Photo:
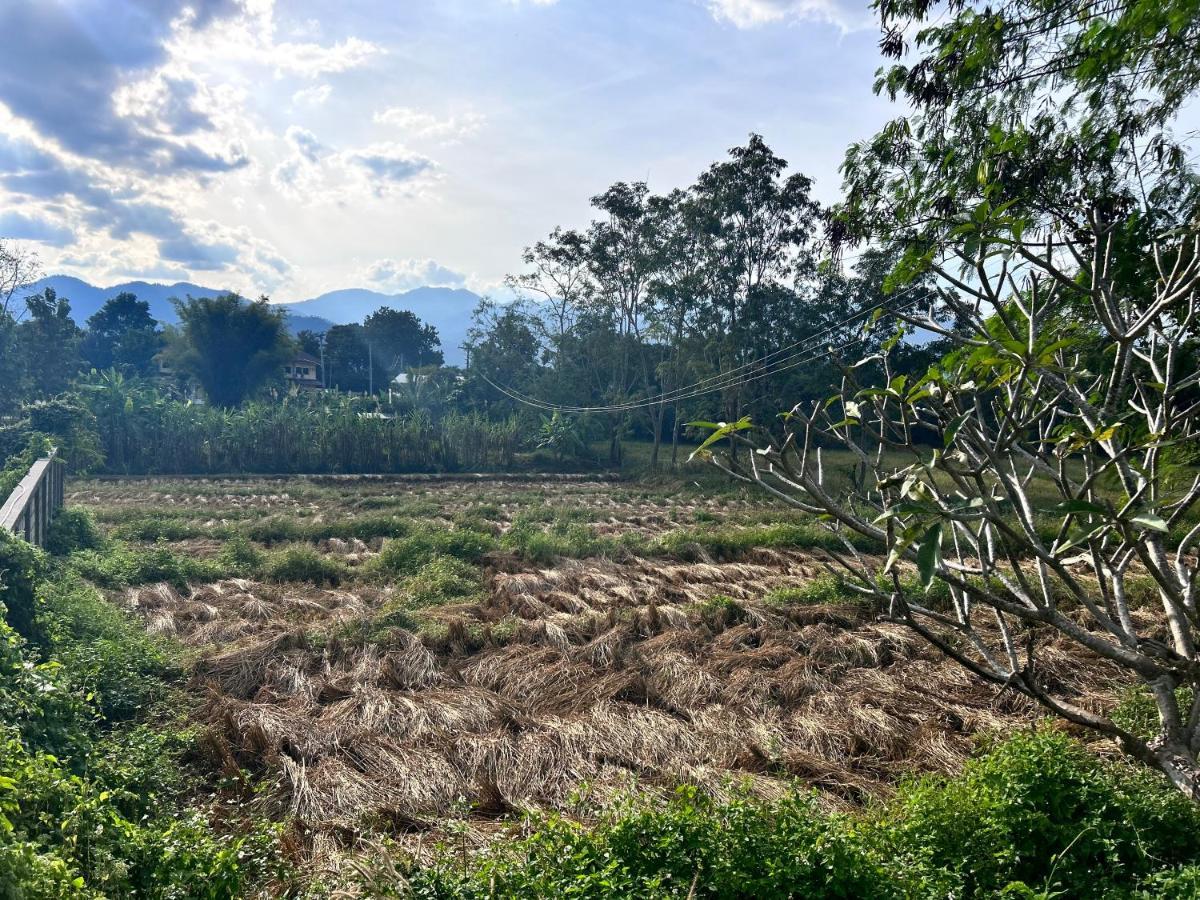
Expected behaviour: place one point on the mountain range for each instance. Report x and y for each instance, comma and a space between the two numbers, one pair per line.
446, 309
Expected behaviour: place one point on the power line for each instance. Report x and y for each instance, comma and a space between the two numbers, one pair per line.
725, 380
811, 341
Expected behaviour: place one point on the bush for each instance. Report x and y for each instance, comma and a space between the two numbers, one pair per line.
405, 556
562, 539
122, 565
823, 589
303, 563
241, 558
21, 564
1037, 816
88, 810
71, 530
104, 653
443, 579
16, 465
1041, 810
691, 846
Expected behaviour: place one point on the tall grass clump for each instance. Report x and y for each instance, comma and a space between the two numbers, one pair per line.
405, 556
303, 563
121, 565
142, 432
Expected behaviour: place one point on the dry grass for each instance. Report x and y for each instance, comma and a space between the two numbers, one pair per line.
589, 676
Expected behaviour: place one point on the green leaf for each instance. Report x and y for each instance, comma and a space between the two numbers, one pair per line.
1150, 521
722, 431
1079, 506
953, 427
929, 554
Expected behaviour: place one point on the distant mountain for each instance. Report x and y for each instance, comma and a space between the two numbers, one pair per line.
447, 309
86, 299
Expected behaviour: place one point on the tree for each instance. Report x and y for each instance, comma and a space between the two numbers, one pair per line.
310, 341
558, 282
503, 351
48, 340
401, 341
348, 360
1037, 179
122, 335
622, 256
763, 225
19, 268
232, 347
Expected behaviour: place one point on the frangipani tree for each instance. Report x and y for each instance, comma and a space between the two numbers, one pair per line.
1049, 488
1037, 471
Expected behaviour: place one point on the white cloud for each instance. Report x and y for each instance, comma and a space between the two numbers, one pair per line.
398, 275
419, 124
249, 40
313, 174
312, 96
757, 13
305, 143
387, 169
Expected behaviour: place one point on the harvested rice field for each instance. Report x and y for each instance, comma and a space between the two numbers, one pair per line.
384, 657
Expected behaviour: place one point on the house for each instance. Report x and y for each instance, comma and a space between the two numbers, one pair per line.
303, 371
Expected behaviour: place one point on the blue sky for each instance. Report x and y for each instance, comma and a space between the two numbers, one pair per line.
295, 147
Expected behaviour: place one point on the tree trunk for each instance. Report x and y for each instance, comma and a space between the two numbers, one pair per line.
675, 441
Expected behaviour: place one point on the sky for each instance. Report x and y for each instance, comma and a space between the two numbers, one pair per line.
292, 147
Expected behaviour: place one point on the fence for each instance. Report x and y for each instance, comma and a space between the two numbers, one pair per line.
33, 503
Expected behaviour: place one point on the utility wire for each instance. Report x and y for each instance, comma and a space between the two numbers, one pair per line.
697, 389
726, 378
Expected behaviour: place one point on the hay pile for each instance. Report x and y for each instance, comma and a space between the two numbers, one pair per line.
591, 674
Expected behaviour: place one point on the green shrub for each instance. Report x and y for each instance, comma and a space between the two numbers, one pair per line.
401, 557
71, 530
823, 589
563, 538
1042, 810
730, 542
104, 653
444, 579
122, 565
1037, 816
241, 558
690, 846
160, 528
303, 563
21, 564
33, 447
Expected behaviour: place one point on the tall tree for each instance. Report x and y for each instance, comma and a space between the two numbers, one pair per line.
762, 241
401, 340
232, 347
557, 280
622, 255
122, 335
503, 350
350, 365
19, 268
48, 340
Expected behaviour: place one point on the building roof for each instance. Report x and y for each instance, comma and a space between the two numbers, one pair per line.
305, 359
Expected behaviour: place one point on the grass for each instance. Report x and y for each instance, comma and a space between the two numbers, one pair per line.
823, 589
1036, 816
496, 646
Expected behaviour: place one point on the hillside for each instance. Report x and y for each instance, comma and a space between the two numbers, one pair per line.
447, 309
